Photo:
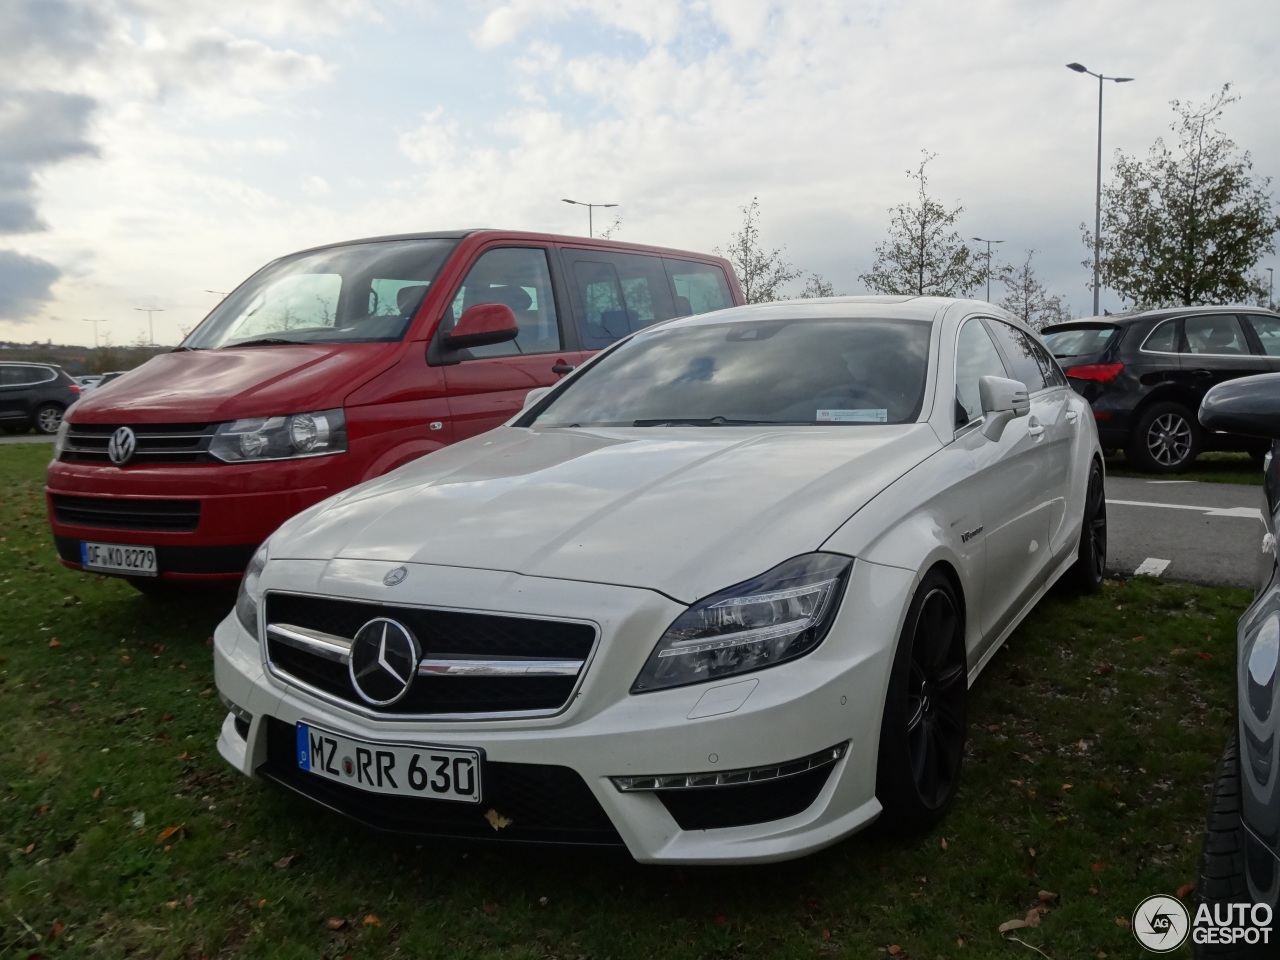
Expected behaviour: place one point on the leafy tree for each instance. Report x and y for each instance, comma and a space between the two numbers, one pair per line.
817, 286
762, 273
1028, 299
923, 254
1186, 225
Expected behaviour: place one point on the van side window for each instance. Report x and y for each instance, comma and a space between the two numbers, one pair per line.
699, 287
518, 277
616, 294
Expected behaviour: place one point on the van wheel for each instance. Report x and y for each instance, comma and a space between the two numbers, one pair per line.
1165, 439
922, 734
48, 418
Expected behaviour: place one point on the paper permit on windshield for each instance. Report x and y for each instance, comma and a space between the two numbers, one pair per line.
880, 415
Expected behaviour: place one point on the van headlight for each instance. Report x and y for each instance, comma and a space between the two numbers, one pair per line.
281, 438
60, 438
775, 617
250, 592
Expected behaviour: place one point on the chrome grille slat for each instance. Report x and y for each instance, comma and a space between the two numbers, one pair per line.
155, 442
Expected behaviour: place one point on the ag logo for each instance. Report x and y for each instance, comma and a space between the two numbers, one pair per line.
1161, 924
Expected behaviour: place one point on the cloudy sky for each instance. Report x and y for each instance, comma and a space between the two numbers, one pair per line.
152, 151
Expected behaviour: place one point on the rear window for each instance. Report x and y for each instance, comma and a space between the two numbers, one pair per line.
1079, 341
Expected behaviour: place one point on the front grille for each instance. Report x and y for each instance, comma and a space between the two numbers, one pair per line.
739, 805
126, 514
156, 442
445, 636
544, 803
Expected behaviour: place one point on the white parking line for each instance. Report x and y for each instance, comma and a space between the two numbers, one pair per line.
1151, 566
1244, 513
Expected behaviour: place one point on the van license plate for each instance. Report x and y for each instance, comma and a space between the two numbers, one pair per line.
119, 558
421, 770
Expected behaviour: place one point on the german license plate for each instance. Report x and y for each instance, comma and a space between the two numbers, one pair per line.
420, 770
119, 558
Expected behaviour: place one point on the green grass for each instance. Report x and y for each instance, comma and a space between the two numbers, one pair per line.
1094, 735
1209, 468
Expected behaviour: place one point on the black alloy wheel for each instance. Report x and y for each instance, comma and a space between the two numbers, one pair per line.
1090, 568
922, 735
1166, 439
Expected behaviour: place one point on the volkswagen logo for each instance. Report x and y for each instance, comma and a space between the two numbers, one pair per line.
121, 446
395, 576
384, 660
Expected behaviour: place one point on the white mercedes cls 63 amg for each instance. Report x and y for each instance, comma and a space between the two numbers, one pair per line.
716, 597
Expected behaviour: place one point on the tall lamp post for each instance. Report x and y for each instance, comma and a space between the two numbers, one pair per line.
1097, 201
988, 243
95, 321
590, 207
151, 327
1271, 303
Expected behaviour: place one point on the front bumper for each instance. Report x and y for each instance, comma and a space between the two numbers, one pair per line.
564, 763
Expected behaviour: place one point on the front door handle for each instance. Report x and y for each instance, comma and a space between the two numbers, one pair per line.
1072, 416
561, 368
1035, 429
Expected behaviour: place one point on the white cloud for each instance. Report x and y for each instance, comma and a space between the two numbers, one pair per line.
315, 187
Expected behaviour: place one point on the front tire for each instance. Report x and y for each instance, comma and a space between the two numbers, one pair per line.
1222, 856
1166, 439
1090, 568
922, 733
48, 418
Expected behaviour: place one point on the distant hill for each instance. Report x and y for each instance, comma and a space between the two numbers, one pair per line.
78, 360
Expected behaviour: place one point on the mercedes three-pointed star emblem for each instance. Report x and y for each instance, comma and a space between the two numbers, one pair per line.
384, 660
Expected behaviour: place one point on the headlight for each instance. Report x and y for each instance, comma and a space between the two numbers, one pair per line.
60, 438
249, 595
772, 618
281, 438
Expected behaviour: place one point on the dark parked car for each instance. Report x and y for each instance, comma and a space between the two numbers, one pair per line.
1145, 374
1240, 858
34, 395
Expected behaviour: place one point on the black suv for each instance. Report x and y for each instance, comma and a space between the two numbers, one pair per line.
34, 395
1145, 374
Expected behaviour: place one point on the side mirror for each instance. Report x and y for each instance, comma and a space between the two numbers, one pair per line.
534, 395
1002, 400
1249, 405
482, 325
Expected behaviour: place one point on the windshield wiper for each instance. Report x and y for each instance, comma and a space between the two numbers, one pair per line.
263, 342
697, 422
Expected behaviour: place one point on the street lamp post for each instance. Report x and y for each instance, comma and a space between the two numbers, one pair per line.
1097, 200
95, 321
988, 243
151, 327
590, 207
1271, 303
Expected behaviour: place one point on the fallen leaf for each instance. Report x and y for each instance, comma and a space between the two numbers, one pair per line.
893, 950
55, 642
336, 923
719, 919
1044, 896
29, 849
1033, 917
490, 908
497, 820
169, 832
1098, 866
826, 934
1013, 925
944, 843
284, 862
1122, 922
1185, 889
1205, 656
56, 930
97, 792
206, 692
371, 920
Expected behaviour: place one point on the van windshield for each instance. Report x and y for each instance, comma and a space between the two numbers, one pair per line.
356, 293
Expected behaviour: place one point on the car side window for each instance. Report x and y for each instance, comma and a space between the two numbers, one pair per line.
519, 278
617, 294
1021, 351
1215, 334
1268, 331
976, 357
699, 287
1053, 375
1163, 339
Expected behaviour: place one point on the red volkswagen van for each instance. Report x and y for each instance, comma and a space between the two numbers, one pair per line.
334, 365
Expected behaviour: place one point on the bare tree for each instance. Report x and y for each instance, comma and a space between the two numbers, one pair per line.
762, 273
924, 254
608, 232
817, 286
1028, 299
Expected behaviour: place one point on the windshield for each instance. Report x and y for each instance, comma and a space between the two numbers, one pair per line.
837, 371
1078, 341
356, 293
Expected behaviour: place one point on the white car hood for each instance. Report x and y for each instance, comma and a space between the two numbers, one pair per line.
685, 511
